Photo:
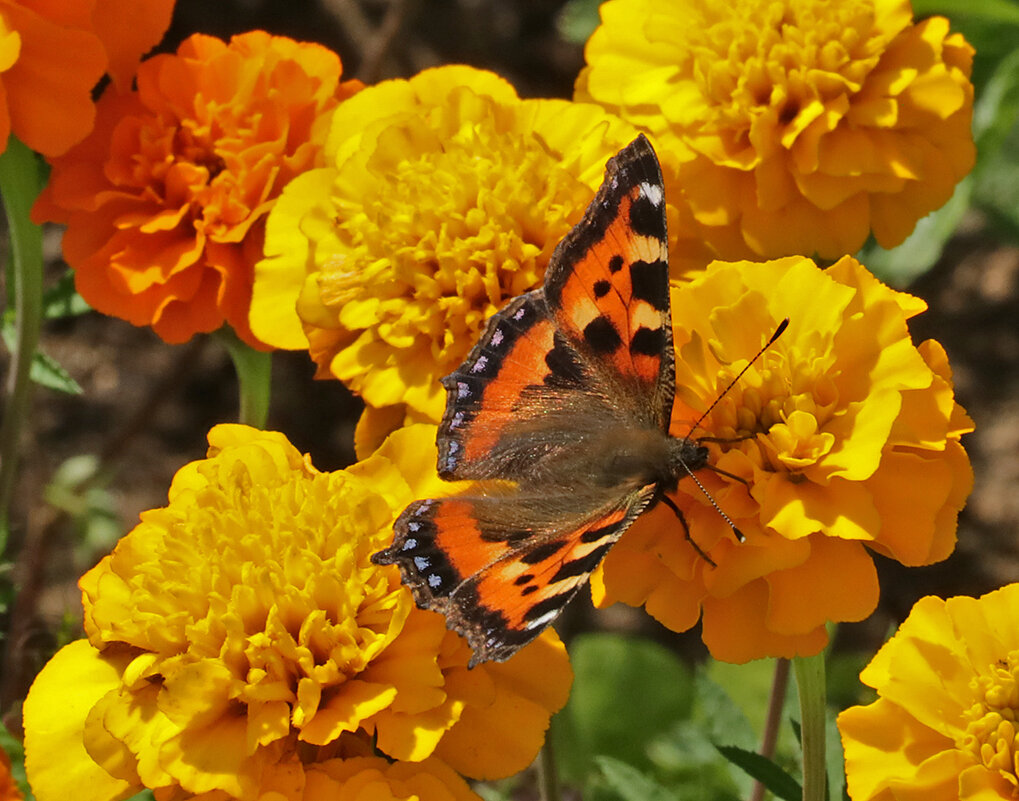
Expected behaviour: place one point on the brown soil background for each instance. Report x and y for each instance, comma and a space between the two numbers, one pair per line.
147, 406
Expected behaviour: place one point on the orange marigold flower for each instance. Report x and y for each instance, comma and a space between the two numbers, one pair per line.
944, 723
799, 126
9, 790
165, 201
241, 635
50, 60
443, 197
842, 437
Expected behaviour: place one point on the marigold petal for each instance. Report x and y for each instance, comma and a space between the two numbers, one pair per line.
837, 582
55, 711
887, 750
376, 779
920, 671
736, 628
48, 89
502, 737
128, 30
840, 509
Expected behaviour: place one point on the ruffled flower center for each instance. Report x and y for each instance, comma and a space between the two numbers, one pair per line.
751, 58
991, 732
775, 414
254, 595
443, 221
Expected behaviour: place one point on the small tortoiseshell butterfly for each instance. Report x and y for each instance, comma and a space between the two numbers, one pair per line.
562, 410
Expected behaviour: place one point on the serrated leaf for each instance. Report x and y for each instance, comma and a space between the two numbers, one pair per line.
629, 784
762, 769
62, 300
45, 370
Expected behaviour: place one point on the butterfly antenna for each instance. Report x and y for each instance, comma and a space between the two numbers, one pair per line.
782, 326
714, 503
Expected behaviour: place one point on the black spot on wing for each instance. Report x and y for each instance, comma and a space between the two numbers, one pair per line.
602, 288
526, 577
543, 552
582, 565
528, 590
601, 335
646, 218
616, 264
650, 282
648, 342
566, 371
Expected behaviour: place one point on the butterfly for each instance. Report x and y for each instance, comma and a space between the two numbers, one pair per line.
561, 412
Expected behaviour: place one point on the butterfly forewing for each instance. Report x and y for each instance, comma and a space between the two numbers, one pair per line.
608, 285
566, 400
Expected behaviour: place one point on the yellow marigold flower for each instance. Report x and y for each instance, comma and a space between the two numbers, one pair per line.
800, 126
241, 634
165, 202
443, 197
944, 723
845, 434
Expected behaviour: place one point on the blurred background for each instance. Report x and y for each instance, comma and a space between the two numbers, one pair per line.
96, 459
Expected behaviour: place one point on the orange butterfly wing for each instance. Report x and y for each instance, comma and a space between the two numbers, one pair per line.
561, 381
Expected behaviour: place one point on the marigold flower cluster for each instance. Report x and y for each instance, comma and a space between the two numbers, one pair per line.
842, 438
944, 722
165, 200
443, 197
799, 127
240, 642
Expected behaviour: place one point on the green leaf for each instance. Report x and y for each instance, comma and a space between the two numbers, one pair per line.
996, 11
577, 20
62, 300
44, 370
12, 745
725, 718
629, 784
626, 693
762, 769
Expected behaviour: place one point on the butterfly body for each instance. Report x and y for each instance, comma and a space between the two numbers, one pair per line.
561, 415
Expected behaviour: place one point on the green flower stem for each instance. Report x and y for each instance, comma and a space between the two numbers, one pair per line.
548, 775
809, 672
20, 184
254, 375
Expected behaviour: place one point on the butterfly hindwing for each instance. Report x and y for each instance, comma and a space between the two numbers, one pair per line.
500, 585
607, 285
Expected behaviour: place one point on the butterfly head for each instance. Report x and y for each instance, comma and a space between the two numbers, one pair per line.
684, 456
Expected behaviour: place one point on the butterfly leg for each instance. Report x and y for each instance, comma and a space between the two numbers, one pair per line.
727, 474
686, 529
